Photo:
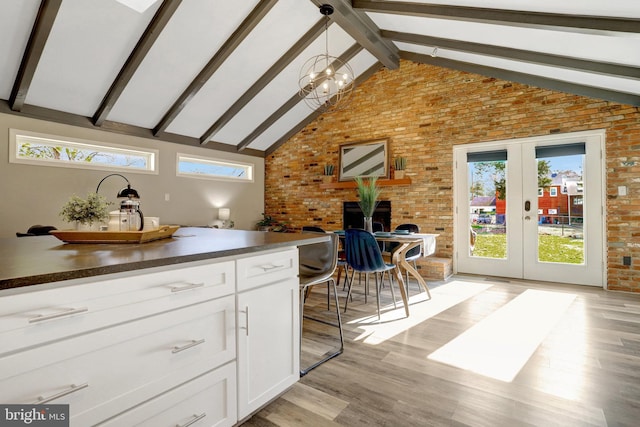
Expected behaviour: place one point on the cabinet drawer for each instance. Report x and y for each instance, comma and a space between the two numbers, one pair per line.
46, 315
209, 400
109, 371
266, 268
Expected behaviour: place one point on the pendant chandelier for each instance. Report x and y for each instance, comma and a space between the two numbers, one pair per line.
326, 83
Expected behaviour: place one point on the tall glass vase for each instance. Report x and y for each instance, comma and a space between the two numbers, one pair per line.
368, 224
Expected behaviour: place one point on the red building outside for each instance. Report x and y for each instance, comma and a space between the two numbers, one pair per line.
560, 203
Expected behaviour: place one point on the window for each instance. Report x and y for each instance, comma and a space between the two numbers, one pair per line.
553, 191
49, 150
207, 168
540, 192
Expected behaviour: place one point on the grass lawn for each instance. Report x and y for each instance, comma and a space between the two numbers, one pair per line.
551, 248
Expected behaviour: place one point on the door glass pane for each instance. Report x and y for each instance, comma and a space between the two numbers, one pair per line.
560, 202
487, 204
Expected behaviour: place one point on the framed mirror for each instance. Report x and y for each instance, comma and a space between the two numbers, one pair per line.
366, 159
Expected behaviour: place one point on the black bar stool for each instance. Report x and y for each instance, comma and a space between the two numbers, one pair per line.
317, 263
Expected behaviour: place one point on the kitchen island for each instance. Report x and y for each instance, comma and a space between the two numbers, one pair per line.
200, 329
45, 259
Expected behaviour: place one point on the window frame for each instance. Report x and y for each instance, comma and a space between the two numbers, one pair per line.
152, 155
553, 192
249, 167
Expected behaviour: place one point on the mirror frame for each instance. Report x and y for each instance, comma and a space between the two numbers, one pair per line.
366, 159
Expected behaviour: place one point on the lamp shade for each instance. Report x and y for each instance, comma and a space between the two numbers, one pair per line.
224, 214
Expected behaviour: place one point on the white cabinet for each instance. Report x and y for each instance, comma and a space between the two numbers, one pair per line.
121, 366
268, 328
105, 345
203, 343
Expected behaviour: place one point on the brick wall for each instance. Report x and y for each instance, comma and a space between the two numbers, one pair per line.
424, 110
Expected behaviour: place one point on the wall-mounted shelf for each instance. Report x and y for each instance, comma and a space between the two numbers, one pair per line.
380, 182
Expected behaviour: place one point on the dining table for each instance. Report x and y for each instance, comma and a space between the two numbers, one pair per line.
405, 242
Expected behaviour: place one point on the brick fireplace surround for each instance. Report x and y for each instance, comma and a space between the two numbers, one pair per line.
424, 111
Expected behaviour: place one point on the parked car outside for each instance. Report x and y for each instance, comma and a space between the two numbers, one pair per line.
484, 219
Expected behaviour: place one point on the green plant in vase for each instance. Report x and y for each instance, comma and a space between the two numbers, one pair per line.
368, 193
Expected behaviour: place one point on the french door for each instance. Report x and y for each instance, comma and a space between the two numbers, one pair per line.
532, 208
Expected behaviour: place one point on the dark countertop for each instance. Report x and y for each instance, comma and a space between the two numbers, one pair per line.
34, 260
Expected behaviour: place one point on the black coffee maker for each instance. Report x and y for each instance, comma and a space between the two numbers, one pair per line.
130, 215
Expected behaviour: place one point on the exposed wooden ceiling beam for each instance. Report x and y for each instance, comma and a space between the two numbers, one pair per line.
37, 40
515, 54
311, 117
295, 50
359, 26
528, 79
500, 16
250, 22
162, 17
291, 102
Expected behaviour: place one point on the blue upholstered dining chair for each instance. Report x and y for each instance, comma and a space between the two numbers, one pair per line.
364, 256
316, 263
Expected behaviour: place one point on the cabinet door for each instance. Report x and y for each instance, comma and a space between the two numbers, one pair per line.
268, 343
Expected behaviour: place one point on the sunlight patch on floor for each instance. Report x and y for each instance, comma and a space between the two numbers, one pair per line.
568, 358
500, 345
392, 322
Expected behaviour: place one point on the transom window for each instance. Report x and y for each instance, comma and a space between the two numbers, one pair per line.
191, 166
50, 150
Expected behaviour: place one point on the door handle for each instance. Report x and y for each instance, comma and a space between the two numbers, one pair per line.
527, 206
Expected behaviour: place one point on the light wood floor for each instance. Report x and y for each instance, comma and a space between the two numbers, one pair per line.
585, 372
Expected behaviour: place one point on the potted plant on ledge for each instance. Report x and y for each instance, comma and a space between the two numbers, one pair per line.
328, 173
400, 164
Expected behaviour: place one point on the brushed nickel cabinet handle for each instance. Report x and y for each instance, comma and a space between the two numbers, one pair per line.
246, 317
64, 313
66, 392
271, 267
193, 420
193, 343
186, 287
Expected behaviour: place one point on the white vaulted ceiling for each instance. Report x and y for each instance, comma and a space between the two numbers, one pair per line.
224, 73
